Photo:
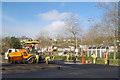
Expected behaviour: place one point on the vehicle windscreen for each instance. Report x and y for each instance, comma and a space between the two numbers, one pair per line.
10, 51
31, 52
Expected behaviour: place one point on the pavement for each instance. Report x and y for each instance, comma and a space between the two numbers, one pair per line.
60, 69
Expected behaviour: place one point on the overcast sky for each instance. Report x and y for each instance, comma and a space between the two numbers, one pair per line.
30, 18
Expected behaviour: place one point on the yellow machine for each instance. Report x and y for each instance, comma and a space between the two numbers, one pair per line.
32, 42
21, 56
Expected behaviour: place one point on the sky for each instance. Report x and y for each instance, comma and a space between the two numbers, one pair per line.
30, 18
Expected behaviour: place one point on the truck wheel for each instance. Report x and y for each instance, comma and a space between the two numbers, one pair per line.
8, 59
16, 62
12, 61
32, 60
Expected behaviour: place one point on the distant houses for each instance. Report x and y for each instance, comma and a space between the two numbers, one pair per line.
66, 45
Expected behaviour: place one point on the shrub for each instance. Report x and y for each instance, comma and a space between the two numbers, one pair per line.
111, 61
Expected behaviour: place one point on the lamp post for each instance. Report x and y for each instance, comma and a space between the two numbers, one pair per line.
81, 45
76, 47
76, 43
76, 40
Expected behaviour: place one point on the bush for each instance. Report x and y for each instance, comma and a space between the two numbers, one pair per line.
86, 58
100, 61
15, 43
111, 56
111, 61
114, 62
79, 58
60, 57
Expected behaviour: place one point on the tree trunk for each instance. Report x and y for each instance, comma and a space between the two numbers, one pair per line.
115, 48
115, 39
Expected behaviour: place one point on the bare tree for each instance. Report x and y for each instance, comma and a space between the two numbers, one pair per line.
97, 35
110, 19
72, 25
44, 40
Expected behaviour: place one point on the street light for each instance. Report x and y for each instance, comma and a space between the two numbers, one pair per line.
76, 50
81, 44
76, 43
76, 47
76, 38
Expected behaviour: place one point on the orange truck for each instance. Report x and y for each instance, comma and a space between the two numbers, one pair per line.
21, 56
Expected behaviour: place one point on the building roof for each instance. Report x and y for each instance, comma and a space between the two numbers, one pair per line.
90, 48
99, 47
94, 47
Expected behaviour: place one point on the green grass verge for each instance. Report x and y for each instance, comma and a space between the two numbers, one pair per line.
111, 56
111, 61
98, 60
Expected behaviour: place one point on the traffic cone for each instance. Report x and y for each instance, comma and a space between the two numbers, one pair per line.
83, 60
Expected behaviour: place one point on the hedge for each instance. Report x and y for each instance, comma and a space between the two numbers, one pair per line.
112, 56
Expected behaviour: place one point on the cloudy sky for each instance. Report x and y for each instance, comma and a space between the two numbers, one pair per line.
30, 18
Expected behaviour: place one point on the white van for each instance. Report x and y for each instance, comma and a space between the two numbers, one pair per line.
10, 51
62, 54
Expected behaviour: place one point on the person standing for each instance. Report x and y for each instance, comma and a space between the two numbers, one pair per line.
94, 58
36, 46
106, 58
30, 48
47, 59
107, 50
37, 58
33, 48
53, 58
68, 57
75, 58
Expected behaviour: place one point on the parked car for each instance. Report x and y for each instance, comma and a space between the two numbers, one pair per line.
10, 51
62, 54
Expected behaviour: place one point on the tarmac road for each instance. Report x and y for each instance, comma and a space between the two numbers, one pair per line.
59, 70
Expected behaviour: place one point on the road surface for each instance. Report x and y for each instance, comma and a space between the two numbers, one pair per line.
59, 70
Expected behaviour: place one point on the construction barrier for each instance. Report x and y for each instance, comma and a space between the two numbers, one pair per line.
82, 55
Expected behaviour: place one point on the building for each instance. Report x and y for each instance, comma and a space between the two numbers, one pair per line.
100, 50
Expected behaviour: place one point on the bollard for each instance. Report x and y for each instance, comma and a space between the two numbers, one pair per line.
83, 60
